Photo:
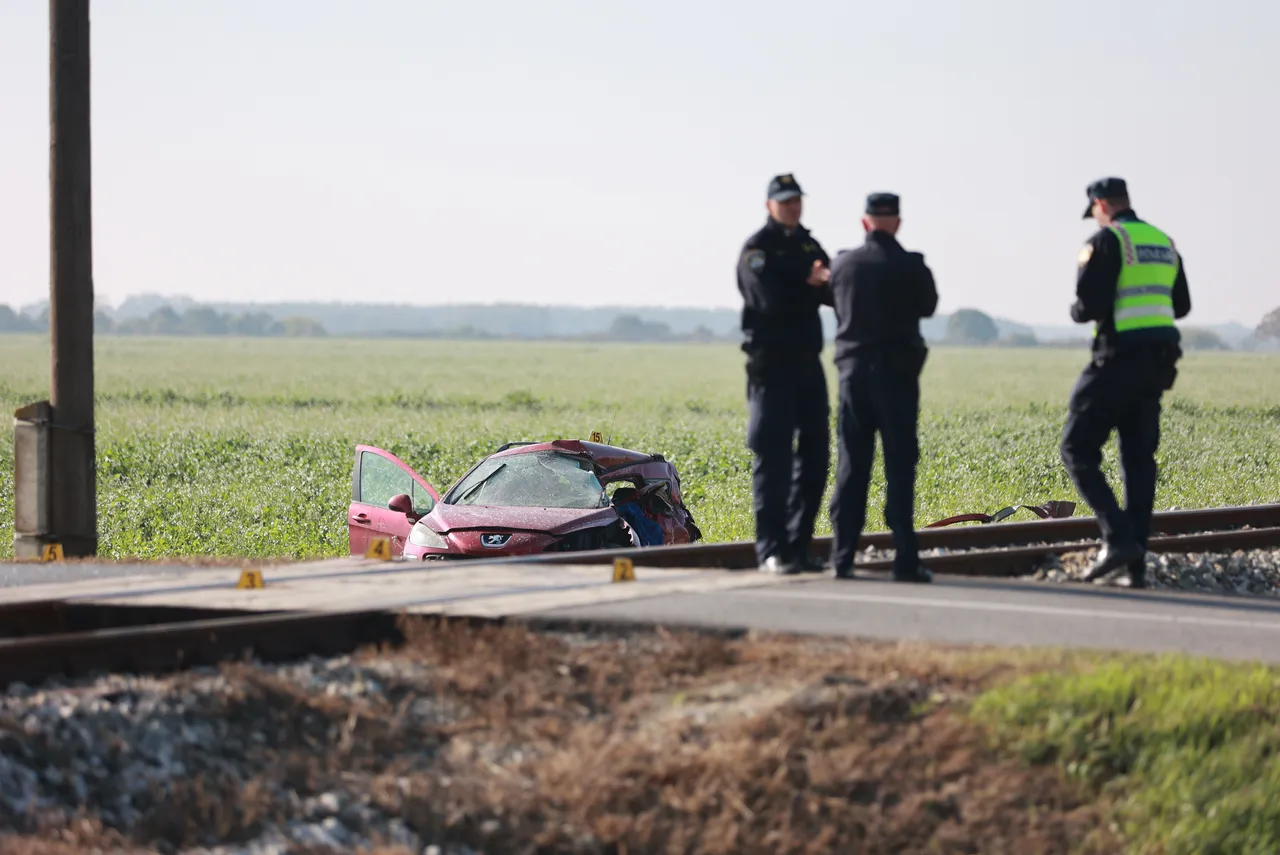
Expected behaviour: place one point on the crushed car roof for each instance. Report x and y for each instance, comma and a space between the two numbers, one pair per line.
606, 456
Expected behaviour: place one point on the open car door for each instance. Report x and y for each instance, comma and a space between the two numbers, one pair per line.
377, 478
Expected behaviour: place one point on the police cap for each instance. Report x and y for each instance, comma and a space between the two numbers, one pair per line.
1105, 188
784, 187
882, 205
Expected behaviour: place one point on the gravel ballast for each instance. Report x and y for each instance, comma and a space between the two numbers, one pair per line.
1251, 573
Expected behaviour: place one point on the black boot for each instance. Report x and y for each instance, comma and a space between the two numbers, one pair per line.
809, 564
1114, 556
1138, 573
917, 574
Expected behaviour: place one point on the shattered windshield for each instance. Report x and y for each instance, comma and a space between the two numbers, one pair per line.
544, 479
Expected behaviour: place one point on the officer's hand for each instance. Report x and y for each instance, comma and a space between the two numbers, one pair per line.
820, 275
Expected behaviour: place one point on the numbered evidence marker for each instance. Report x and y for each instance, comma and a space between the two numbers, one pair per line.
596, 437
623, 570
379, 548
51, 552
250, 579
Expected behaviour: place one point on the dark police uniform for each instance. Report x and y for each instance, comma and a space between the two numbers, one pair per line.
786, 386
880, 292
1132, 283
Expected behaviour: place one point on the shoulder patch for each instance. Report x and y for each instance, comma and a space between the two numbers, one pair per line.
754, 259
1086, 253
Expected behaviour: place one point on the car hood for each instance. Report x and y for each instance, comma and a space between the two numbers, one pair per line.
445, 518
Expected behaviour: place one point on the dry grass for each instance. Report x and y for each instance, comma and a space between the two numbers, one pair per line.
695, 744
644, 743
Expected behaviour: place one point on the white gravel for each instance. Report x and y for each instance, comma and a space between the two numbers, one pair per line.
119, 748
1250, 573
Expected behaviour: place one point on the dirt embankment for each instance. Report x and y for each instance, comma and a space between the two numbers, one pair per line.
500, 740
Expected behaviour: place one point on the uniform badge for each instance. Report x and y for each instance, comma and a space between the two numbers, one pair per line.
787, 179
755, 260
1086, 253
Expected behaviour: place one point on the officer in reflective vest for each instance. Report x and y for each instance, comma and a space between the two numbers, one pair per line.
1132, 285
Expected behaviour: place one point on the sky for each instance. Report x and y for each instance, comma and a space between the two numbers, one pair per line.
590, 154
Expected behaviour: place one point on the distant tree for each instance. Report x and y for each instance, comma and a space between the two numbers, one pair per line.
635, 328
1269, 328
970, 326
702, 333
202, 320
103, 324
1019, 339
1199, 338
11, 321
164, 321
132, 326
256, 323
300, 328
627, 327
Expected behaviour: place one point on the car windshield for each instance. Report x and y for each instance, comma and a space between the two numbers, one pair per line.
544, 479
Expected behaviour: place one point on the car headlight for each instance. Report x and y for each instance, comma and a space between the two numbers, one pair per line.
424, 536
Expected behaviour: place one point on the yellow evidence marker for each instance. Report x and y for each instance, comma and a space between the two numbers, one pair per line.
379, 548
623, 570
596, 437
52, 552
250, 579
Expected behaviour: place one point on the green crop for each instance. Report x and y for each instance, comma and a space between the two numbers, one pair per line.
243, 447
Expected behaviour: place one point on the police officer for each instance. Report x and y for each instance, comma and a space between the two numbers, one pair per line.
782, 276
1131, 282
880, 291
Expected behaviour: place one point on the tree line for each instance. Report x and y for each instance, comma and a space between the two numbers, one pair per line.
968, 327
973, 327
196, 321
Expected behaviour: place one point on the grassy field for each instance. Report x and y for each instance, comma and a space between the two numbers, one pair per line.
244, 447
1183, 754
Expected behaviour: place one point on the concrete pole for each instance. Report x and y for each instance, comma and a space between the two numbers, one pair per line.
72, 488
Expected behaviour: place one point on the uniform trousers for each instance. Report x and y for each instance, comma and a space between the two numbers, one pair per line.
788, 432
1119, 391
879, 393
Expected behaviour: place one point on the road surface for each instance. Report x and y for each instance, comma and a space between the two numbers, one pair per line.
976, 611
953, 610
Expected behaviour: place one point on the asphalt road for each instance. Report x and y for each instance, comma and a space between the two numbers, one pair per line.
953, 610
976, 611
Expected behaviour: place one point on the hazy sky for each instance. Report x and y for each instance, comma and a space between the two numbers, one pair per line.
606, 153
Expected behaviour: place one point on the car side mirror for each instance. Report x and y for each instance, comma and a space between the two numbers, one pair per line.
401, 504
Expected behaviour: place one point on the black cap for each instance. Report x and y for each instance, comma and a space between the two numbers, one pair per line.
784, 187
1105, 188
882, 204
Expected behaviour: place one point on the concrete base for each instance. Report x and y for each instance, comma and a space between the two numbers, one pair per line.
54, 486
30, 547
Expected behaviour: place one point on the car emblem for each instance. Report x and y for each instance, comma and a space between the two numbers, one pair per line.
493, 541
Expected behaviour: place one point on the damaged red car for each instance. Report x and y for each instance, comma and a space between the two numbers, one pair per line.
526, 498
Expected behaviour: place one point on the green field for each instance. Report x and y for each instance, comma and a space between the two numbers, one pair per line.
244, 446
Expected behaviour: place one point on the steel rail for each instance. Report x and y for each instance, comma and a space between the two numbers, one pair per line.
274, 636
741, 554
1018, 560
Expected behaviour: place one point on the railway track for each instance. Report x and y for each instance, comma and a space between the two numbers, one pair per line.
993, 549
68, 638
